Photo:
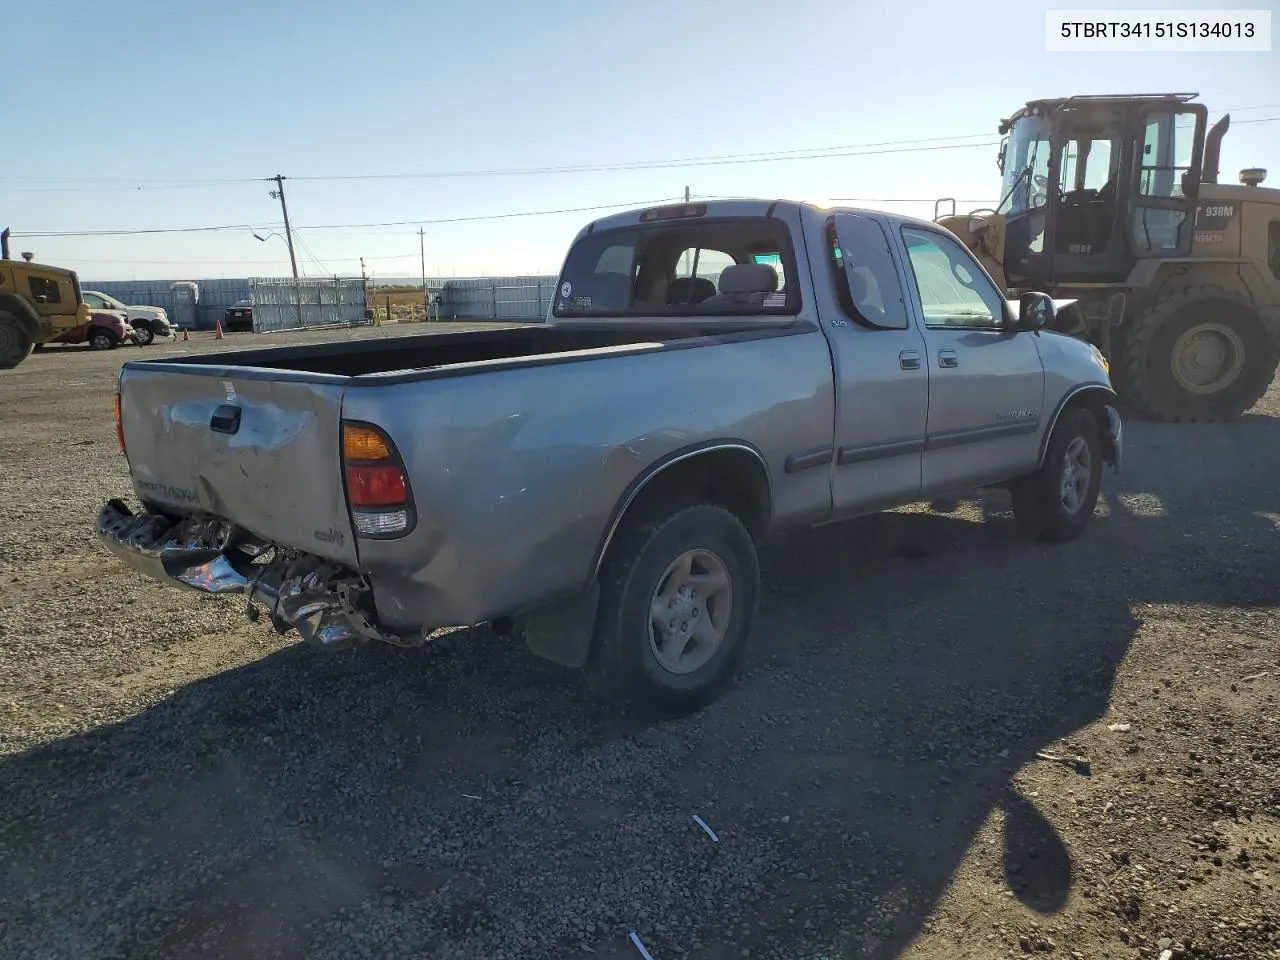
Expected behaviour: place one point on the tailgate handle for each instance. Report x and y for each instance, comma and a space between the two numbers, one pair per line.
226, 419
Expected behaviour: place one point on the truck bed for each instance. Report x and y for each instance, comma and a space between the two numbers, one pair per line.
427, 351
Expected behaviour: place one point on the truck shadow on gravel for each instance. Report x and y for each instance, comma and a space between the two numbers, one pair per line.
468, 801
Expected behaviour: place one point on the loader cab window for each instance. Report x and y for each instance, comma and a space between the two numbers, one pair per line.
1026, 167
44, 290
1167, 146
1025, 187
1165, 159
1087, 192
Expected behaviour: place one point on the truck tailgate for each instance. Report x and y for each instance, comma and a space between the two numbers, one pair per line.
276, 472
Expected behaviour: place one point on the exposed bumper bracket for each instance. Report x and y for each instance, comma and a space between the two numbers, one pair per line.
319, 598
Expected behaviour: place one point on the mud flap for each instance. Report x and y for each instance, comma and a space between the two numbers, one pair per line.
562, 632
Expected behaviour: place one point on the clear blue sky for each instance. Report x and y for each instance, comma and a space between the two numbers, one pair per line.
163, 91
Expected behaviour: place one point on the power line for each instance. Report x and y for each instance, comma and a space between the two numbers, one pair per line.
916, 145
130, 233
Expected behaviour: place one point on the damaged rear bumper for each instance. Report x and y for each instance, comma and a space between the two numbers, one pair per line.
324, 601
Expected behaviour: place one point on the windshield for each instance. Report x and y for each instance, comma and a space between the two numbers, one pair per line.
1026, 159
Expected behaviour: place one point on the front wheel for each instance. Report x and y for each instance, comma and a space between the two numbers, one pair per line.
144, 335
679, 597
103, 340
1057, 502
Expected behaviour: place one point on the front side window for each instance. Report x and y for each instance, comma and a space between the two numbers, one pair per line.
95, 301
44, 290
735, 267
953, 291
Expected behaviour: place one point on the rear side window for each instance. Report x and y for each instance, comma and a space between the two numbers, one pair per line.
1273, 248
44, 290
867, 283
730, 267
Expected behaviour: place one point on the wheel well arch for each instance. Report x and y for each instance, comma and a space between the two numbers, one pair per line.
730, 473
1094, 397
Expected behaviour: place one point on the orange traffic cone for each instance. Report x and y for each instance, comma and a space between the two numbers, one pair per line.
218, 334
185, 335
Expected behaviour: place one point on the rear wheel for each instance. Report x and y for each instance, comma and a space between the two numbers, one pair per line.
101, 339
679, 595
1057, 502
1203, 353
15, 344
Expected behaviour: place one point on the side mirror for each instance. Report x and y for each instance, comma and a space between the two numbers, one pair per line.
1036, 311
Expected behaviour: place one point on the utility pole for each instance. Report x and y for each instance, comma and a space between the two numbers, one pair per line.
422, 254
278, 194
686, 194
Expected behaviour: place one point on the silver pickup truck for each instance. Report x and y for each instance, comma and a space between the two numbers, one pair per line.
708, 374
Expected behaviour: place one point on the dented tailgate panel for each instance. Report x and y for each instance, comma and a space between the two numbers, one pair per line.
260, 452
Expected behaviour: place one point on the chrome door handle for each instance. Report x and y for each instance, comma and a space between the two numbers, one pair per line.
909, 359
948, 358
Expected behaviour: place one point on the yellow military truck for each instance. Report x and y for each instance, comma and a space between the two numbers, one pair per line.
1114, 202
37, 303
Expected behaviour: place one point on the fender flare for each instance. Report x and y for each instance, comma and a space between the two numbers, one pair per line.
563, 631
646, 476
1105, 392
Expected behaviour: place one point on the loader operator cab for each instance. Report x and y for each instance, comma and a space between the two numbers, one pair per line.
1091, 185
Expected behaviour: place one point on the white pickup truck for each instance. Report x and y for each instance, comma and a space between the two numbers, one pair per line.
710, 374
148, 322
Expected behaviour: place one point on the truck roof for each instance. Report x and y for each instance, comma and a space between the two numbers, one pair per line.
740, 207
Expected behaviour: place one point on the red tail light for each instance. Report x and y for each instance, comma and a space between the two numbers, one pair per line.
377, 488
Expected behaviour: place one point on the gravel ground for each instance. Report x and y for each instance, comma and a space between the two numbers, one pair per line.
179, 783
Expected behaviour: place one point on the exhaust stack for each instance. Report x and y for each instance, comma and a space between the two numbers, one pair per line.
4, 244
1213, 148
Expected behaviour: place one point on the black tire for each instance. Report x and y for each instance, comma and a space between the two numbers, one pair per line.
1144, 374
15, 344
624, 665
101, 339
1038, 499
145, 334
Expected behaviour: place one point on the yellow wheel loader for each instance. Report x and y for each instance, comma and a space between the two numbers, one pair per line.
1113, 202
37, 303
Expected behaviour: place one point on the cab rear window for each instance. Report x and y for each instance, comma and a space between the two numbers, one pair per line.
737, 267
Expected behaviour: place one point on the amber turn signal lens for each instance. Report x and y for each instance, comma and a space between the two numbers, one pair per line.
119, 425
363, 444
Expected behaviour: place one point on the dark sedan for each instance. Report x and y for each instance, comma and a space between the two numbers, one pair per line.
238, 317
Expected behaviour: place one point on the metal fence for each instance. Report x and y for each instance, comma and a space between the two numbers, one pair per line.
494, 298
300, 304
453, 298
215, 296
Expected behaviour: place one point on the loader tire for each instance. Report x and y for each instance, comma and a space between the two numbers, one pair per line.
1200, 354
15, 344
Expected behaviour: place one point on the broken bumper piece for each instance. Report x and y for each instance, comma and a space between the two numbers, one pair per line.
323, 600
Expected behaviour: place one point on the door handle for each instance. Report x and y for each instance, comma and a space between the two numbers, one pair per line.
948, 358
909, 359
